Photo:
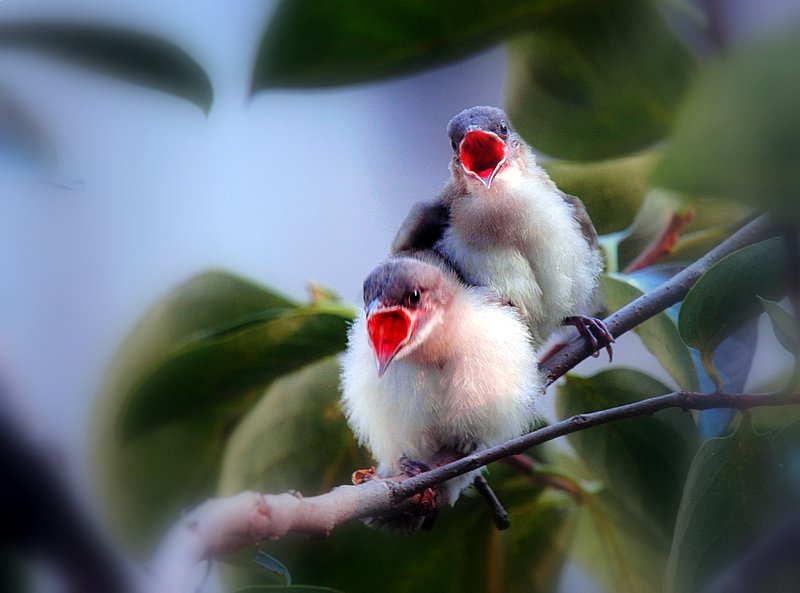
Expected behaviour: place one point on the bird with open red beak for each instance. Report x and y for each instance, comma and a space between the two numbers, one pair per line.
435, 369
501, 222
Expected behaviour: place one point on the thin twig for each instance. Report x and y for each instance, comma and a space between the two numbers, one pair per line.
527, 467
659, 299
681, 399
499, 513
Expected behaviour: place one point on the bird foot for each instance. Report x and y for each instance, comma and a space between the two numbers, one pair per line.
428, 499
363, 475
595, 331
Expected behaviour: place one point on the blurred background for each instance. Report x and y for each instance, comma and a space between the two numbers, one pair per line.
282, 184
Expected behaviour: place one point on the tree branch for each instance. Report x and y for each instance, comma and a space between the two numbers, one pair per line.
659, 299
226, 524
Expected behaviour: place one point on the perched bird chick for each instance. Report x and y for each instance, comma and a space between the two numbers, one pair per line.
433, 365
503, 223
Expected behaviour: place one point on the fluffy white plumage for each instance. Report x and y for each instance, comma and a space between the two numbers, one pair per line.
502, 223
521, 238
470, 382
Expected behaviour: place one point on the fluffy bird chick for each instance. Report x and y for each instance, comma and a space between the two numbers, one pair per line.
433, 365
501, 222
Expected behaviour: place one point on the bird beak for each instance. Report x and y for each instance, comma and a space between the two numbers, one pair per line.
482, 154
389, 328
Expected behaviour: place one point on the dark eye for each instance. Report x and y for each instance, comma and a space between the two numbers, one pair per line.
503, 128
414, 297
454, 144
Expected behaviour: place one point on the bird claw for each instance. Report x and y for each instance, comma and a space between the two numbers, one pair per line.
412, 467
363, 475
595, 331
428, 499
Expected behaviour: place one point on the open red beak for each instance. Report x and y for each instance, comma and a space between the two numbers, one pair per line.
389, 330
482, 155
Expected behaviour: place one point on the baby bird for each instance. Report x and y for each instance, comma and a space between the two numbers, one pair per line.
501, 222
435, 367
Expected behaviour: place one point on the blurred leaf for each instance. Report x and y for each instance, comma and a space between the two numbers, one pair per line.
724, 298
134, 56
783, 323
297, 437
725, 498
209, 304
620, 551
616, 551
612, 190
145, 485
649, 226
643, 461
294, 438
360, 40
752, 96
146, 482
659, 334
695, 226
218, 372
600, 83
274, 566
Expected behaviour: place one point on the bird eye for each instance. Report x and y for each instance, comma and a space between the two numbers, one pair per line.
454, 144
503, 128
414, 297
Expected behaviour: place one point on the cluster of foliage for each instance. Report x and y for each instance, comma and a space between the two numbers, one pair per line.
227, 385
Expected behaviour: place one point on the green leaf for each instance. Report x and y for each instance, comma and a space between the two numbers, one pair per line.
725, 498
612, 190
725, 297
620, 552
643, 461
219, 372
297, 437
617, 553
273, 565
145, 482
328, 42
138, 57
597, 84
659, 334
784, 324
752, 96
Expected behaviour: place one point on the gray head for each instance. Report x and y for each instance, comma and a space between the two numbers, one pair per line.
405, 299
483, 143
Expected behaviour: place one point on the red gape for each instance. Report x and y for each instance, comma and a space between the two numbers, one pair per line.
388, 331
481, 152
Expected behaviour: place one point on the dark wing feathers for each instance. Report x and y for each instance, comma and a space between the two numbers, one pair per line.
422, 228
582, 216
